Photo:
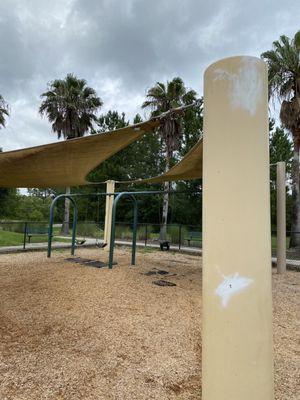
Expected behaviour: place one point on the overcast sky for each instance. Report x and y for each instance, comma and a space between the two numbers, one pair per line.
122, 47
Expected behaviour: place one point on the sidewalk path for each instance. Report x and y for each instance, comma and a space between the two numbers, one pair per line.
291, 264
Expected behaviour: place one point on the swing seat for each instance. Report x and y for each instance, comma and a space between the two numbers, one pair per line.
164, 244
80, 242
101, 245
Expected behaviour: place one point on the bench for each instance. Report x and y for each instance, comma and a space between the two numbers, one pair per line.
194, 237
36, 231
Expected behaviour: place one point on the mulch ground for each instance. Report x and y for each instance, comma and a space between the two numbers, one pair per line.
69, 331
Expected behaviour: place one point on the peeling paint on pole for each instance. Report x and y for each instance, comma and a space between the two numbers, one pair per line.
231, 285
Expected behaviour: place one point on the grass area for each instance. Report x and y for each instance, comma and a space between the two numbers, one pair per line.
274, 242
8, 238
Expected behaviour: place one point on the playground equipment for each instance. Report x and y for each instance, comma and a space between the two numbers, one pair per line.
237, 357
110, 188
112, 200
50, 231
132, 197
71, 197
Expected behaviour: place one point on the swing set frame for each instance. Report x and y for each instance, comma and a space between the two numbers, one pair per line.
117, 197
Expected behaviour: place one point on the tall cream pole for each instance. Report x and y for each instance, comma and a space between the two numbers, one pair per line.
110, 188
281, 218
237, 307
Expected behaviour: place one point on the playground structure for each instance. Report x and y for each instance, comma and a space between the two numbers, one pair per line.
110, 219
237, 356
112, 200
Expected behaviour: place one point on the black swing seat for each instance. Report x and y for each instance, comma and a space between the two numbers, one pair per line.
80, 242
101, 245
164, 244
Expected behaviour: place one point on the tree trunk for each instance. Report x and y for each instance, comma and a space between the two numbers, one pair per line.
295, 226
66, 223
163, 229
165, 209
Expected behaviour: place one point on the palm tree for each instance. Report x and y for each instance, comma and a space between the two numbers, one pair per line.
71, 106
284, 85
4, 111
159, 99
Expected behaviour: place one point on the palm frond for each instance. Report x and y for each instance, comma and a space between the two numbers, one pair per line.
71, 106
4, 111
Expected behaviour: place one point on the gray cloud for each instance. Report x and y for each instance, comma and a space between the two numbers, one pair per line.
122, 47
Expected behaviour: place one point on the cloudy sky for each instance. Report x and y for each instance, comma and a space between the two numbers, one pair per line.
122, 47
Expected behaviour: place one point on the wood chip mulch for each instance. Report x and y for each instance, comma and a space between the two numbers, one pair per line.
77, 333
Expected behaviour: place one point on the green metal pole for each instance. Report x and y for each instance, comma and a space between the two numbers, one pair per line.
50, 230
25, 233
134, 233
112, 235
113, 229
74, 228
51, 219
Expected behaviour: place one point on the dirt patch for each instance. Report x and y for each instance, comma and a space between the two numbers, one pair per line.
78, 333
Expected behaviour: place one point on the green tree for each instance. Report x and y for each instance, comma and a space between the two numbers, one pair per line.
8, 203
186, 205
4, 111
32, 208
284, 84
281, 149
140, 159
159, 99
71, 106
7, 195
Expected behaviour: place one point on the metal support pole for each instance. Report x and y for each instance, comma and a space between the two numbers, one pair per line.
281, 218
134, 233
75, 216
113, 228
51, 220
50, 229
146, 234
237, 346
25, 234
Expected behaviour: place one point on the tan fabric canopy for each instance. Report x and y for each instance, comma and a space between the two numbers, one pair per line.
190, 167
66, 163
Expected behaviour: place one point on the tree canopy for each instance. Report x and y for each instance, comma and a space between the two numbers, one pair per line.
4, 111
284, 81
71, 106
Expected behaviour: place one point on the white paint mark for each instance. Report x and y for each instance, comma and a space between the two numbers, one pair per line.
246, 85
231, 285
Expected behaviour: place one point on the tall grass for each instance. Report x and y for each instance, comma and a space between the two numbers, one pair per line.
17, 226
89, 229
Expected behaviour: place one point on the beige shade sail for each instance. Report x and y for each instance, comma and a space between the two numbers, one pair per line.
190, 167
66, 163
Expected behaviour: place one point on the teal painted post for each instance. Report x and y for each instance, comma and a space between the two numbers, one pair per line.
112, 235
74, 226
25, 234
134, 233
50, 230
113, 230
51, 219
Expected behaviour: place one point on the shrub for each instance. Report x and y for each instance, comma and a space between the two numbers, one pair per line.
89, 229
14, 226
